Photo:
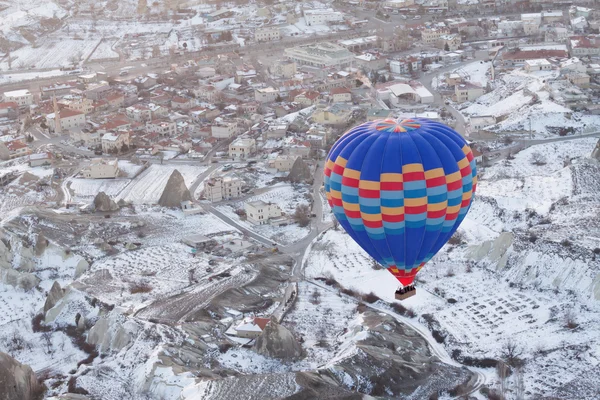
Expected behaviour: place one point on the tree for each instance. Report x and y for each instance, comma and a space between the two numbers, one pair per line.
302, 214
47, 336
185, 45
538, 158
29, 138
511, 354
336, 224
446, 47
155, 51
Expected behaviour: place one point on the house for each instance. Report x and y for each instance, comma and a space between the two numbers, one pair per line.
101, 168
182, 103
162, 127
537, 65
260, 213
449, 42
467, 91
13, 149
336, 114
267, 34
97, 91
68, 119
219, 14
139, 112
223, 188
478, 122
306, 98
146, 81
297, 148
582, 46
9, 110
266, 95
430, 36
242, 148
251, 329
284, 163
223, 129
340, 95
284, 68
85, 106
370, 61
477, 156
207, 92
57, 89
322, 16
114, 142
22, 97
39, 159
206, 72
275, 131
518, 57
115, 100
580, 79
402, 92
197, 241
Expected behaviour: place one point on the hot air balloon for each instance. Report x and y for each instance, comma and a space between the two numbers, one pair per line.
400, 188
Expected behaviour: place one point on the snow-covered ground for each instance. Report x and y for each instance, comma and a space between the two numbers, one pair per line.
86, 189
52, 53
476, 72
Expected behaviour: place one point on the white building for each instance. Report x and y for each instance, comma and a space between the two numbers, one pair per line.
228, 187
114, 141
478, 122
242, 148
402, 92
323, 55
259, 213
266, 95
38, 159
100, 168
537, 65
69, 119
340, 95
322, 17
223, 130
284, 163
162, 127
467, 91
22, 97
267, 34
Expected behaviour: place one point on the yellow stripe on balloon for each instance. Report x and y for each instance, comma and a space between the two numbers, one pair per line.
391, 177
335, 194
453, 209
453, 177
420, 201
467, 195
341, 161
437, 206
352, 173
463, 163
434, 173
370, 217
412, 168
466, 149
351, 206
392, 210
370, 185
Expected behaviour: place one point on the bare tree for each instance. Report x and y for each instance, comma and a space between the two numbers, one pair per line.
336, 224
302, 214
47, 337
538, 158
571, 319
511, 354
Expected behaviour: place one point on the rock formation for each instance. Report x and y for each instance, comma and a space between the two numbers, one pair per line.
54, 295
17, 381
103, 203
300, 172
23, 280
278, 342
175, 191
40, 244
111, 333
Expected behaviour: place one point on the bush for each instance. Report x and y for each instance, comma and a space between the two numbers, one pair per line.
533, 237
349, 292
370, 298
566, 243
438, 336
140, 287
451, 301
479, 362
538, 158
37, 324
72, 387
457, 238
302, 215
400, 309
597, 250
450, 272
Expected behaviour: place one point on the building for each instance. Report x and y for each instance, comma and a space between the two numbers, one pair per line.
219, 14
267, 34
284, 163
467, 91
284, 68
242, 148
101, 168
275, 131
13, 149
251, 329
266, 95
580, 79
9, 110
340, 95
323, 55
518, 57
582, 46
260, 213
162, 127
401, 93
336, 114
139, 112
450, 42
39, 159
322, 17
114, 142
370, 61
85, 106
22, 97
57, 89
182, 103
430, 36
223, 188
478, 122
537, 65
306, 98
224, 130
68, 119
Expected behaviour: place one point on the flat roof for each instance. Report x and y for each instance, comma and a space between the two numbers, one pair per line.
18, 93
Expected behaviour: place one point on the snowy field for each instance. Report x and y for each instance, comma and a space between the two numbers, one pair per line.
104, 51
149, 186
86, 189
475, 72
52, 53
7, 78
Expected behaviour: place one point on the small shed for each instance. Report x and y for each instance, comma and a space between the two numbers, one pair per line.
199, 242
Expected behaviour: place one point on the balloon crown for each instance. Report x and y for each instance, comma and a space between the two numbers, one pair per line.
394, 125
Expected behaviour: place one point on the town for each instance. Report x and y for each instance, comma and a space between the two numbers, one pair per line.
164, 223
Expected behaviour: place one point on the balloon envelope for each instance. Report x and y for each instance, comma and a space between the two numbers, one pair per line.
400, 188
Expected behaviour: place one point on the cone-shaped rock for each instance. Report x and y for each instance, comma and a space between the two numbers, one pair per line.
103, 203
175, 192
277, 342
300, 172
17, 381
54, 295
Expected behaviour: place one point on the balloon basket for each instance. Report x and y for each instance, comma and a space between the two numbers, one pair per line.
405, 295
